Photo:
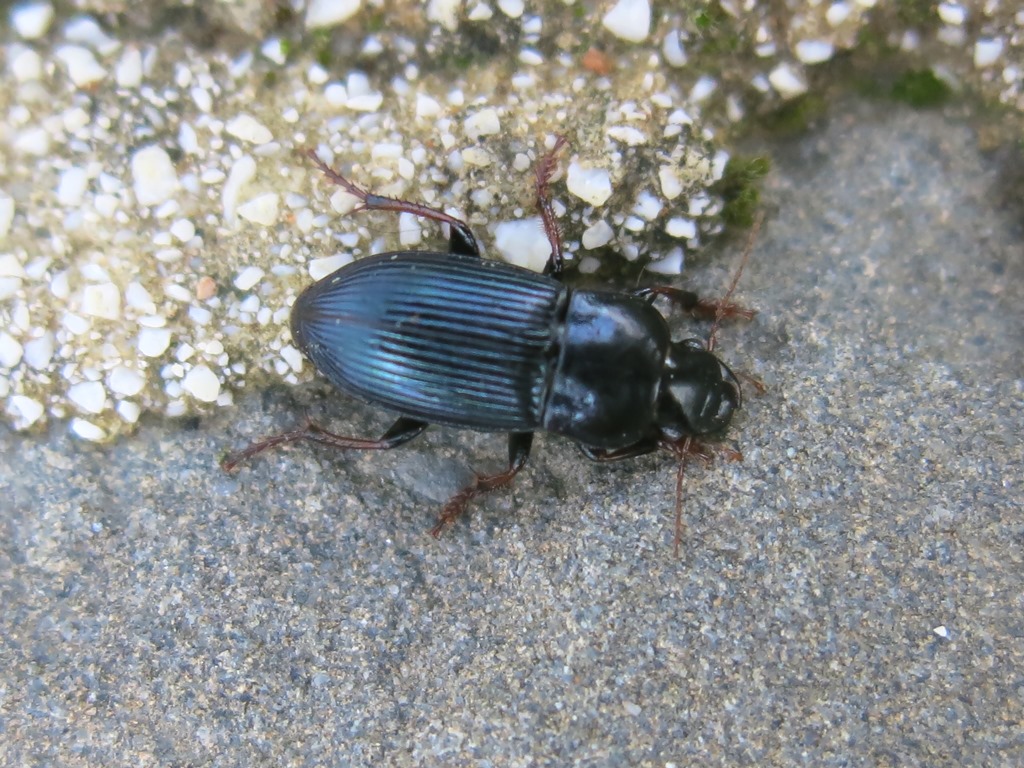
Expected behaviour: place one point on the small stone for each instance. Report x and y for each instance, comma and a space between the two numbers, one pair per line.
26, 65
523, 242
941, 631
482, 123
6, 214
202, 384
445, 13
242, 172
410, 232
671, 183
154, 178
87, 430
987, 52
32, 20
102, 301
685, 229
597, 234
837, 13
153, 342
648, 206
671, 263
88, 396
129, 411
24, 410
82, 67
125, 382
673, 51
952, 13
11, 350
206, 288
788, 81
592, 185
183, 230
512, 8
248, 278
326, 265
71, 187
426, 106
330, 13
248, 128
629, 20
39, 352
128, 72
814, 51
262, 209
293, 357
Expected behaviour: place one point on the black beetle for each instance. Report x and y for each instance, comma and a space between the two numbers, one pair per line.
451, 338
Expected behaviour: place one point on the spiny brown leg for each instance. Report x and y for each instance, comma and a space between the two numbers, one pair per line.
461, 240
688, 301
545, 168
402, 431
685, 449
518, 452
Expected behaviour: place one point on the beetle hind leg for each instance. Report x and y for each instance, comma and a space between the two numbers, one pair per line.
402, 431
518, 452
461, 240
543, 172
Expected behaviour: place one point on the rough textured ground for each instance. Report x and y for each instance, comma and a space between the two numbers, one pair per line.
850, 594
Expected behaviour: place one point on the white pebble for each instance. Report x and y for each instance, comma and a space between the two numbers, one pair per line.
26, 65
597, 234
87, 430
129, 411
330, 13
671, 183
293, 357
6, 214
410, 231
788, 81
82, 67
125, 381
445, 13
71, 187
248, 128
32, 20
592, 185
128, 72
153, 175
987, 51
248, 278
24, 410
629, 20
837, 13
941, 631
153, 342
39, 352
242, 172
10, 350
628, 135
365, 102
482, 123
426, 106
88, 396
512, 8
952, 13
814, 51
262, 209
183, 230
682, 228
103, 301
326, 265
672, 49
523, 242
671, 263
137, 297
648, 206
202, 384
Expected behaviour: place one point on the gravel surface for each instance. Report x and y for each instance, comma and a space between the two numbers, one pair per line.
851, 593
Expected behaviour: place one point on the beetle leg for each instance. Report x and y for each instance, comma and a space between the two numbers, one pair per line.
688, 301
402, 431
544, 170
460, 241
518, 452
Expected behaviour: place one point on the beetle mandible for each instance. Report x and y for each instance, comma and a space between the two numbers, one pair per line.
451, 338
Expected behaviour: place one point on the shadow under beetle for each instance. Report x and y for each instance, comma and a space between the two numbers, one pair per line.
451, 338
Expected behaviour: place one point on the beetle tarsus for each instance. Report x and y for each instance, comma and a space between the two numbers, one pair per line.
519, 444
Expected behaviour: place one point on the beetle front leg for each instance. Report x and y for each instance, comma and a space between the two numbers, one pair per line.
519, 444
688, 301
461, 239
402, 431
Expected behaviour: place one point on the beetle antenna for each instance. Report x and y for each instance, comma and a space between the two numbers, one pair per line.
723, 304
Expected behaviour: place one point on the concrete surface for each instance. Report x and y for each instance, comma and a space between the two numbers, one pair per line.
850, 594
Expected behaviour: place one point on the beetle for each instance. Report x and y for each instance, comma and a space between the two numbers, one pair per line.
453, 339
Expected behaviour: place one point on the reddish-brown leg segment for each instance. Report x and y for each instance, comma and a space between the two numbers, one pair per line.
543, 172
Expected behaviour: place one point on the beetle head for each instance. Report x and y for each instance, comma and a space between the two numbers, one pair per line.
699, 394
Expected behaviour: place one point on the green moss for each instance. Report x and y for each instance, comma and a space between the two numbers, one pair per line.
920, 88
739, 189
795, 116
